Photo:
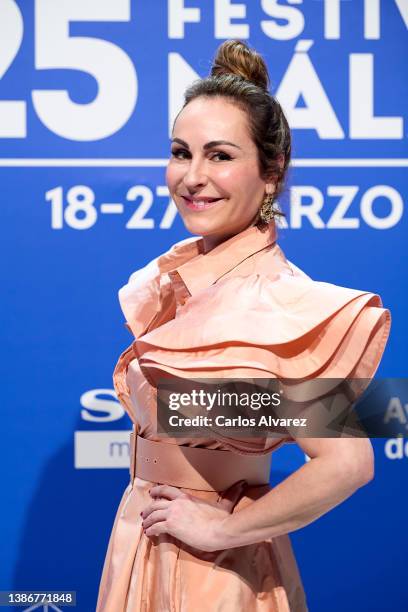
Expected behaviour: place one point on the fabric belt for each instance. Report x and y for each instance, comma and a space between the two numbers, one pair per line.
194, 468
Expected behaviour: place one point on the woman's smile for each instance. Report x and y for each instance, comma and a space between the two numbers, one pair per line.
200, 203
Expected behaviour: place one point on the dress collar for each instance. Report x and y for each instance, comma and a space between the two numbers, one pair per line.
188, 267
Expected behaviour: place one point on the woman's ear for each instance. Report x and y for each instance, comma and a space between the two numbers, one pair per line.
281, 160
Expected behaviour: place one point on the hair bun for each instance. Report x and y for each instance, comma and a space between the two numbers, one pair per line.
235, 57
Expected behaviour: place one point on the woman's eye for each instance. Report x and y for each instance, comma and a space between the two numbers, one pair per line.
224, 156
183, 154
177, 152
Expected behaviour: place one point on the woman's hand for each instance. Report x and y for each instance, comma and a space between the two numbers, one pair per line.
194, 521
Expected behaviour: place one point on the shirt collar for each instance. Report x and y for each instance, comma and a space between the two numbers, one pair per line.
188, 265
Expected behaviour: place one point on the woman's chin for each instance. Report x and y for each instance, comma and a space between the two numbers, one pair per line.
200, 227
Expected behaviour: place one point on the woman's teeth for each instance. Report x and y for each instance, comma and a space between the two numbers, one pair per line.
201, 204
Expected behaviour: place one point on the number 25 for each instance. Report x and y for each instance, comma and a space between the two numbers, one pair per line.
109, 65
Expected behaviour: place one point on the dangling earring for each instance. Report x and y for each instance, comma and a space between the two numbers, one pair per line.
266, 212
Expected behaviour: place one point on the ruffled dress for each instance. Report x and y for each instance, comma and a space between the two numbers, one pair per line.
241, 310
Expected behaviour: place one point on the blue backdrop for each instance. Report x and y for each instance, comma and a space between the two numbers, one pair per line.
88, 92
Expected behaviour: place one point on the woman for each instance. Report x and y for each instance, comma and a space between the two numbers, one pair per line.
189, 534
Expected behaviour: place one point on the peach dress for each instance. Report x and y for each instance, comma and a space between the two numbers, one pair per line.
240, 310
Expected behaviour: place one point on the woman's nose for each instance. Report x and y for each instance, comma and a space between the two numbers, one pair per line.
195, 175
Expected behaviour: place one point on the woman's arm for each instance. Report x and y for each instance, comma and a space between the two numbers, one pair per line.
337, 468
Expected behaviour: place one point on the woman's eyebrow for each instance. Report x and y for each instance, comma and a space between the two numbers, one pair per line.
208, 145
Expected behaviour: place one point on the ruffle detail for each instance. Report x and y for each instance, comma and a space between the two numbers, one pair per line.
286, 327
147, 299
140, 297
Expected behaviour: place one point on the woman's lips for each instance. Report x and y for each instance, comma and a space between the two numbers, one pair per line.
200, 205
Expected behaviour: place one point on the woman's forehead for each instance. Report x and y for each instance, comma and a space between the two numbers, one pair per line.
213, 119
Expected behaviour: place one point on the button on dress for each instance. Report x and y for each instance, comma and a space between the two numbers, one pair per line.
242, 310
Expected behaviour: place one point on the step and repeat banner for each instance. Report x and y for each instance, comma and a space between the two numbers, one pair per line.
89, 90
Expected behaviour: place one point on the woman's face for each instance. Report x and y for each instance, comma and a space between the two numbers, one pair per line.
213, 174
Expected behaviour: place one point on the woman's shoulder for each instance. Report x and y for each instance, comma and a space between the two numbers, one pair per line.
270, 285
272, 307
281, 324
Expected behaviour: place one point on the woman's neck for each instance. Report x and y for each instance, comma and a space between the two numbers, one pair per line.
210, 242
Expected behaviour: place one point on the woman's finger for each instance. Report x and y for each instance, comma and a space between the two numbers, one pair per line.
154, 517
157, 529
158, 504
167, 491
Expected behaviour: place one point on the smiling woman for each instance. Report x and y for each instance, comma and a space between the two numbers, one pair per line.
230, 149
214, 183
199, 527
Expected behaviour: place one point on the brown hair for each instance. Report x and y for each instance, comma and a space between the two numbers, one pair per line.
240, 74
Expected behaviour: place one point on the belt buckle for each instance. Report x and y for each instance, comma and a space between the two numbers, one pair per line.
132, 452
